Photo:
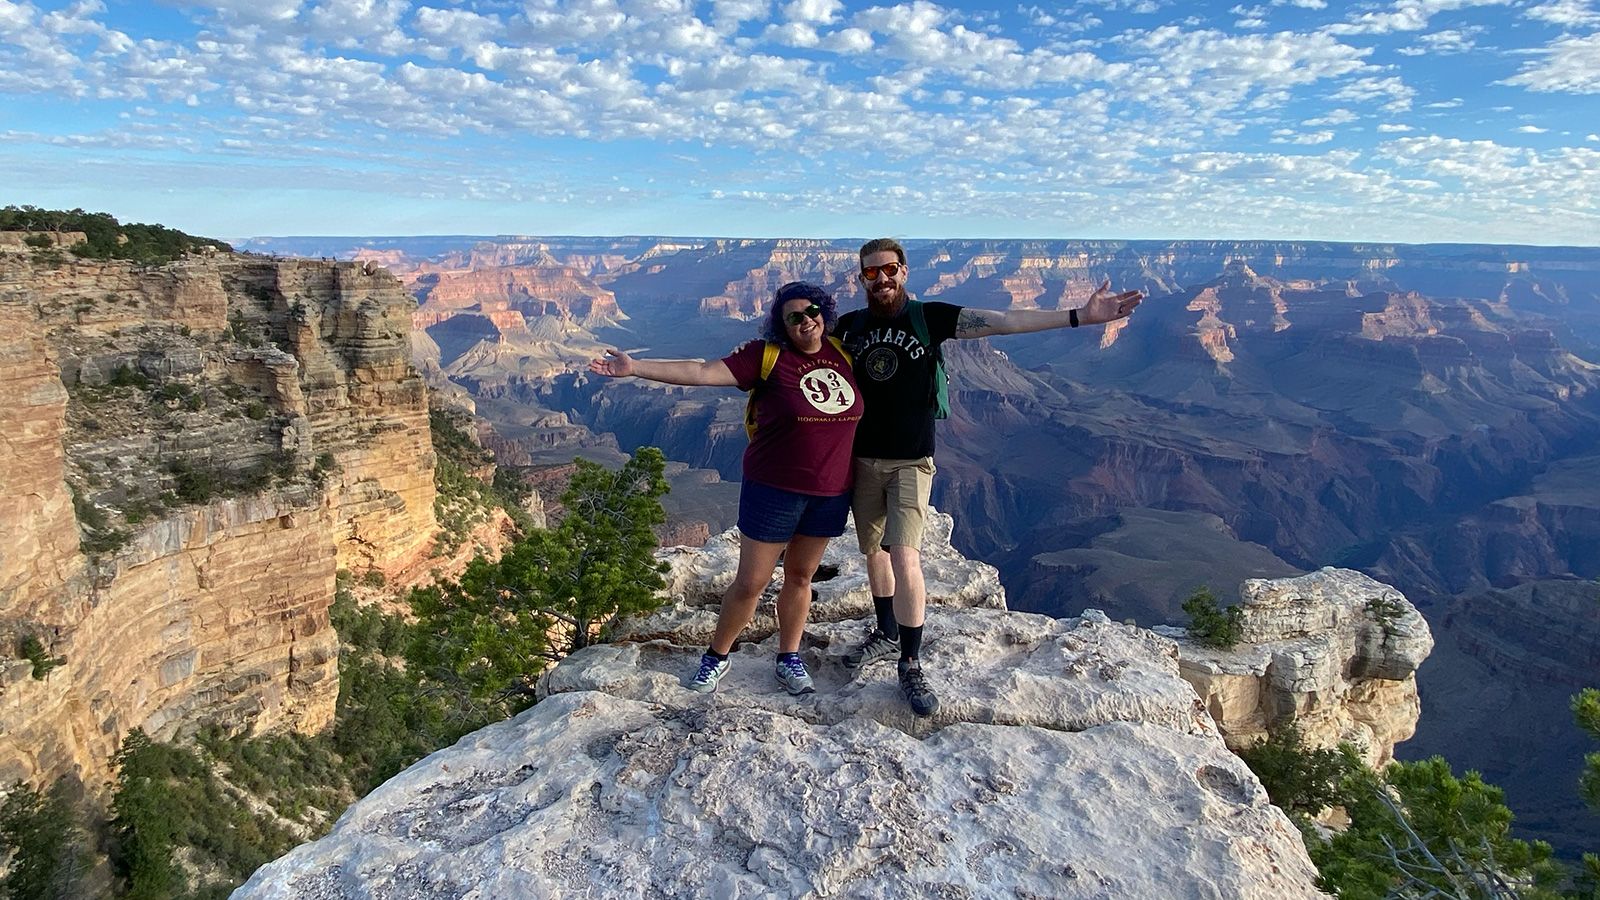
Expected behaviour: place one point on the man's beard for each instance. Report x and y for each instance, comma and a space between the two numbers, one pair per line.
889, 305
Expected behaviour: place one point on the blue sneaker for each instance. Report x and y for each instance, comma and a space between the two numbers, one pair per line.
711, 672
792, 674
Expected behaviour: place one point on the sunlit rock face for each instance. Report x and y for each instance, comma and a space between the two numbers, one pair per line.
1333, 652
1068, 759
245, 427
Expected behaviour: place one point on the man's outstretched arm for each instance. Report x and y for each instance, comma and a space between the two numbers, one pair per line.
1103, 306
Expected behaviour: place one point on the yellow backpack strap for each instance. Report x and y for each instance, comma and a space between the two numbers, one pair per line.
839, 346
769, 359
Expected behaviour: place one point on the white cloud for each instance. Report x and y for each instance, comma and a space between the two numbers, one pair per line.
1452, 103
1311, 138
849, 40
456, 27
1571, 65
1593, 138
1396, 92
793, 34
1444, 43
1531, 129
1405, 15
818, 12
1303, 4
1568, 13
1332, 117
1393, 128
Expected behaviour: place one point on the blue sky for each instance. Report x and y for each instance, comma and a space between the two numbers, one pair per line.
1405, 120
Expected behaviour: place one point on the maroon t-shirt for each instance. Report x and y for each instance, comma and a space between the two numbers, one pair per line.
806, 415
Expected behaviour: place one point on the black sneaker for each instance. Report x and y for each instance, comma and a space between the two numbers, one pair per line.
877, 647
915, 687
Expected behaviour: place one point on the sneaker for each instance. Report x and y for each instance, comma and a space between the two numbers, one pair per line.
792, 674
916, 689
711, 672
876, 648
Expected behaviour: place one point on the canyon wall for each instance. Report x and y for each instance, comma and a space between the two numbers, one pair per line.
192, 451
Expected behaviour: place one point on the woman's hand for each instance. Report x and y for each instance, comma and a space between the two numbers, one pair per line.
619, 365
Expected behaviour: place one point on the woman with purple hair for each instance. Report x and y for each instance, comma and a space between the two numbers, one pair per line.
797, 469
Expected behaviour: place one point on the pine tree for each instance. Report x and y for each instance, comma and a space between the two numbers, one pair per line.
492, 631
46, 845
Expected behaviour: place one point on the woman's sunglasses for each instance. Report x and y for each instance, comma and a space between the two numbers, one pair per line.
800, 315
870, 273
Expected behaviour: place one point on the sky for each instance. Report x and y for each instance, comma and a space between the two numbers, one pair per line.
1416, 121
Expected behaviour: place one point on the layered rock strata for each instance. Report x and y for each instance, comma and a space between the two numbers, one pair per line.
1068, 759
1333, 652
192, 451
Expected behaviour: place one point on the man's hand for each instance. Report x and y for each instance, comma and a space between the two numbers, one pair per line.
1104, 306
619, 365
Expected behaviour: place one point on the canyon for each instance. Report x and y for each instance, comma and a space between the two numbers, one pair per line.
1424, 414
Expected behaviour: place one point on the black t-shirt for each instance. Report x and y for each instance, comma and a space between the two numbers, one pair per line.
894, 373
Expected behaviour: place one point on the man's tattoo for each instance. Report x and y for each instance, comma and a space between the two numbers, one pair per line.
970, 320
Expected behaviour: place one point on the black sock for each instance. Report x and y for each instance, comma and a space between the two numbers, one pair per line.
784, 656
715, 655
884, 607
910, 642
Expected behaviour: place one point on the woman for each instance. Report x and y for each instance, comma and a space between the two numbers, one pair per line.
797, 469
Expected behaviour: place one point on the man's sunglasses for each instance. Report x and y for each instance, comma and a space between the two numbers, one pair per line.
800, 315
890, 270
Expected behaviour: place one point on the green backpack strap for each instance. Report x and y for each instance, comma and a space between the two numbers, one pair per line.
839, 346
939, 396
769, 359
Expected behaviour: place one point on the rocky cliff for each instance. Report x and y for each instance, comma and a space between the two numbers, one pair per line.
1333, 652
1069, 758
192, 451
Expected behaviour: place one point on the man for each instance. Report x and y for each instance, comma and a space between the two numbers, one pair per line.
895, 371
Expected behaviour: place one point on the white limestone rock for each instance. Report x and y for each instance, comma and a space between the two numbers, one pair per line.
1334, 651
698, 576
1068, 759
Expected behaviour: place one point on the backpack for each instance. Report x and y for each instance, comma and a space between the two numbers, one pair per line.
769, 359
940, 396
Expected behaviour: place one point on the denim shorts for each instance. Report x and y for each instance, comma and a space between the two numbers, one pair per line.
773, 515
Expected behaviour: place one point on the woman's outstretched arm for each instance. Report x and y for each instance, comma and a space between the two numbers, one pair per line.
668, 371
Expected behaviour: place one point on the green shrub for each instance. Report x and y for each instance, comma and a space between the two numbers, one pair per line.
1299, 780
127, 376
255, 409
1418, 831
1209, 624
30, 648
46, 843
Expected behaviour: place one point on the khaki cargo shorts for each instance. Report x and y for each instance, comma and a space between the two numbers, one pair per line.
891, 501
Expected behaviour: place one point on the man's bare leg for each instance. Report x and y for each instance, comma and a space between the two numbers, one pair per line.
910, 593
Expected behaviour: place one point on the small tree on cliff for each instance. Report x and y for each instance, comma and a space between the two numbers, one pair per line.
1419, 831
1299, 780
554, 591
144, 825
1586, 710
42, 845
1211, 624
